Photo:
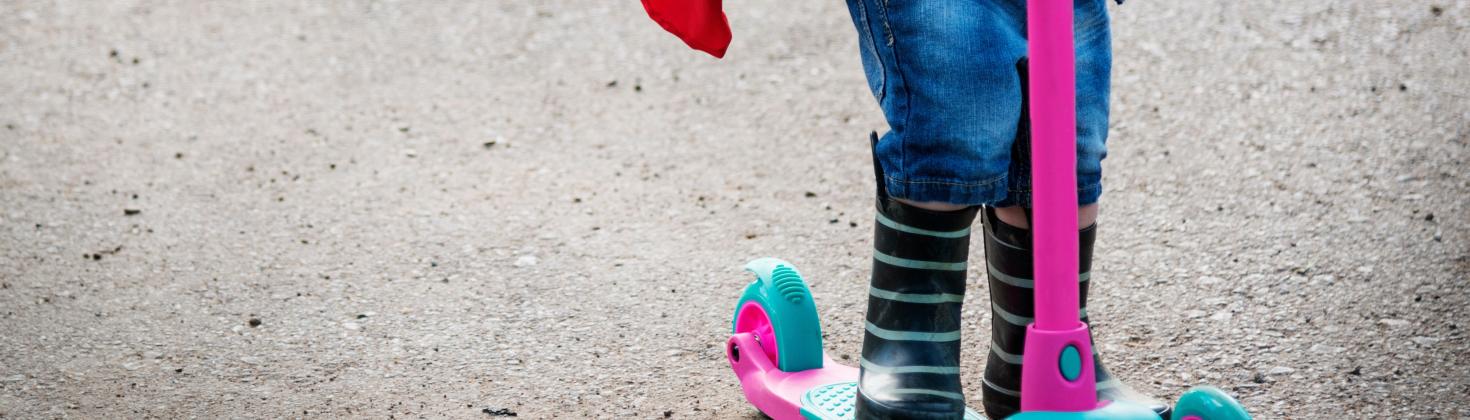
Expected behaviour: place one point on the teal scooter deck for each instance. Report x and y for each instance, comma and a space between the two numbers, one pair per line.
836, 402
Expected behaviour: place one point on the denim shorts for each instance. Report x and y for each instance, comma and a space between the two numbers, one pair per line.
949, 75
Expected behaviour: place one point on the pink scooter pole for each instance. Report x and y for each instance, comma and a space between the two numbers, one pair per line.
1058, 373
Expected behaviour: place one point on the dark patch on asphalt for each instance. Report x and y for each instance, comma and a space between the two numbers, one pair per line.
499, 412
97, 256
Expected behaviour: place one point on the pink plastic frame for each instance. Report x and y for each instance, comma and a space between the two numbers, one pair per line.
774, 392
1054, 214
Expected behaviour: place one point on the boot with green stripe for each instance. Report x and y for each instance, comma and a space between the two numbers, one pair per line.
1009, 267
911, 346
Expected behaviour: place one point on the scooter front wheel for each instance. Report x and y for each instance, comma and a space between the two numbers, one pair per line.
1208, 403
777, 309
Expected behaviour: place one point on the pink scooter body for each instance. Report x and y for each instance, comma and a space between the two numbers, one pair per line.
777, 393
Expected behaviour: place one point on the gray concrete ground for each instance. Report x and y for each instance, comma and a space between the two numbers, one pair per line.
450, 209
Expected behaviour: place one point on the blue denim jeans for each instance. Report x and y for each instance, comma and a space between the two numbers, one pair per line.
950, 77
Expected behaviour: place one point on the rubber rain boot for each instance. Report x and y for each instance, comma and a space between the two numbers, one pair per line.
911, 346
1009, 268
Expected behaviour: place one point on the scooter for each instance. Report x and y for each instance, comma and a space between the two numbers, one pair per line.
776, 345
776, 351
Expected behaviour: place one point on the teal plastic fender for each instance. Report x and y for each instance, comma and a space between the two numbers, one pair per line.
787, 300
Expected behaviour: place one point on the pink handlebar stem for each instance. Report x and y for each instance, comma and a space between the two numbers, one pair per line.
1057, 373
1053, 162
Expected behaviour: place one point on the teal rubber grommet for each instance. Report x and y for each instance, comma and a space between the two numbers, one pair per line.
1070, 363
784, 295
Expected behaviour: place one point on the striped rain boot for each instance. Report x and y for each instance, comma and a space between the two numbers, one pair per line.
1008, 261
911, 348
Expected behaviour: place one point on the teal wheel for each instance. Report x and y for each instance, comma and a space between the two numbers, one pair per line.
1208, 403
777, 309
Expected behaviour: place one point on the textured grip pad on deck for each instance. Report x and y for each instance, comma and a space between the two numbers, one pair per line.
836, 402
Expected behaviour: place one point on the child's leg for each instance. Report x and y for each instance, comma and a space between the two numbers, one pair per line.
944, 72
934, 205
1016, 215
